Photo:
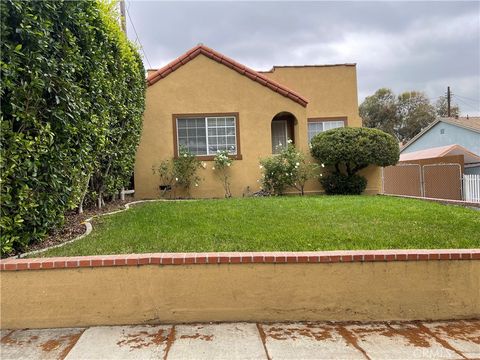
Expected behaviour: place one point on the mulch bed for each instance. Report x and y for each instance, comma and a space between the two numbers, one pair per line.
73, 226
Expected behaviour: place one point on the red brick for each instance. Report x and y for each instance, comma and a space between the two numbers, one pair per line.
401, 257
108, 262
97, 262
200, 259
313, 259
302, 258
334, 259
280, 259
390, 257
412, 257
455, 256
34, 265
72, 263
433, 256
324, 259
189, 259
358, 258
47, 265
466, 256
269, 259
155, 260
144, 261
422, 256
475, 256
378, 257
247, 259
294, 259
223, 259
444, 256
166, 260
59, 264
120, 261
84, 263
235, 259
2, 266
369, 257
132, 261
10, 266
212, 259
347, 258
22, 266
178, 260
258, 259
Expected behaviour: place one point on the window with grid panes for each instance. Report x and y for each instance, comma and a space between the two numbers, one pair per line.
207, 135
315, 127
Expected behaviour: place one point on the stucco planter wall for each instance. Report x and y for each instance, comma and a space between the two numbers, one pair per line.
156, 288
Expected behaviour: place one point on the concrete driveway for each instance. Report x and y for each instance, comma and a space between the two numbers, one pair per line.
384, 340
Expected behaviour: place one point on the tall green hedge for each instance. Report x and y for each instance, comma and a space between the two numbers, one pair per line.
72, 98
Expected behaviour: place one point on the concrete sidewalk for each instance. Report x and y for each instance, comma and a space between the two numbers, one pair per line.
392, 340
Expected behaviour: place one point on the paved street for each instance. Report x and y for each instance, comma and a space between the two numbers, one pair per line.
392, 340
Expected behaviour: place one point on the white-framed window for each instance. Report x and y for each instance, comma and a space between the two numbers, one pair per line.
315, 127
207, 135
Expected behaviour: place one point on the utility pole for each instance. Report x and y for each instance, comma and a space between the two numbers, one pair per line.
449, 98
123, 15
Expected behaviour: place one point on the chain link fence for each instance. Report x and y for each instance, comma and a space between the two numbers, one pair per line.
440, 181
402, 179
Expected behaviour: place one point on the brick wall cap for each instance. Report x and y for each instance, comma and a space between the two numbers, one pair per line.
277, 257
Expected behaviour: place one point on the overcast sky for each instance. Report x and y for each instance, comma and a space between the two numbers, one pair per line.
424, 46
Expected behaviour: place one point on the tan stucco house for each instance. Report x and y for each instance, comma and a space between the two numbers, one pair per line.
206, 102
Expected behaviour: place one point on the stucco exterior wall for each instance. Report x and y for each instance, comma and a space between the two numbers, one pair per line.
205, 86
331, 90
405, 290
452, 135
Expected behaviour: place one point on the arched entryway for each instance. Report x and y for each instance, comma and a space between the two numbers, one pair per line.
283, 129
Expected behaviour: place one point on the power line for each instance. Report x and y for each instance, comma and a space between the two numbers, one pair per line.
473, 107
138, 38
467, 98
467, 101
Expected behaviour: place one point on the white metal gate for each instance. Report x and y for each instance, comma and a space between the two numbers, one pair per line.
471, 188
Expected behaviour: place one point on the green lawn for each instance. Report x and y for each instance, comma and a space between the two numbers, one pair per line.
280, 224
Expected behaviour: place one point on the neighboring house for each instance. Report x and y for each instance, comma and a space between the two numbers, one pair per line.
206, 102
450, 154
444, 132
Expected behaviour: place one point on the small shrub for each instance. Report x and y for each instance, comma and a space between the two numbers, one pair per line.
339, 184
181, 172
167, 178
222, 167
287, 169
185, 169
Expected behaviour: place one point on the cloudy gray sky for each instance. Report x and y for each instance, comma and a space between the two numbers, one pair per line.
424, 46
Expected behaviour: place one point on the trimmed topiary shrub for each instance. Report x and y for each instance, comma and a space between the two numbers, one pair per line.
349, 150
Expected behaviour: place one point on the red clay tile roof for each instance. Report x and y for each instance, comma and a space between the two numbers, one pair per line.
232, 64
